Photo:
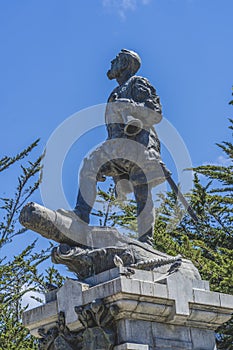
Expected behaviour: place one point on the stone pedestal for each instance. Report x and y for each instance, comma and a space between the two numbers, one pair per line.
139, 311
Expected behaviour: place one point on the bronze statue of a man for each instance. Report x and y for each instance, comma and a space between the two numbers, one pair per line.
132, 150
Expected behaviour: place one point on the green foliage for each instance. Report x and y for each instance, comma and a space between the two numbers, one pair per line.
19, 274
231, 102
106, 201
12, 334
114, 212
208, 243
221, 209
26, 186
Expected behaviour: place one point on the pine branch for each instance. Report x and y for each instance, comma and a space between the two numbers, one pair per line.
6, 161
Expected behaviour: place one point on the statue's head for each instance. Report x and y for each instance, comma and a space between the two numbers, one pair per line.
126, 61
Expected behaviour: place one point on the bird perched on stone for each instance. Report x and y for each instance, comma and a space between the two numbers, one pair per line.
175, 266
117, 261
128, 272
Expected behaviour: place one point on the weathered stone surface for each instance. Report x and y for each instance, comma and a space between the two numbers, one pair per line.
226, 300
59, 337
203, 339
153, 314
45, 315
88, 251
134, 297
98, 320
131, 346
51, 296
70, 294
64, 227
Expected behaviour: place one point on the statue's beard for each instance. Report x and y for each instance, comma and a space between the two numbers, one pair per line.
114, 73
110, 74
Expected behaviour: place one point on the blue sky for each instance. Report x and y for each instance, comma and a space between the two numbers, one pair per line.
55, 54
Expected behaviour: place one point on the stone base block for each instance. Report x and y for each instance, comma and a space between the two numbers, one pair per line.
163, 336
137, 312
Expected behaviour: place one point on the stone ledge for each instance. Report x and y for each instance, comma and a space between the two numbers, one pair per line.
173, 344
131, 346
42, 316
177, 301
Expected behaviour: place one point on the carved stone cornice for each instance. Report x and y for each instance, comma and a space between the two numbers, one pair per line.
98, 331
